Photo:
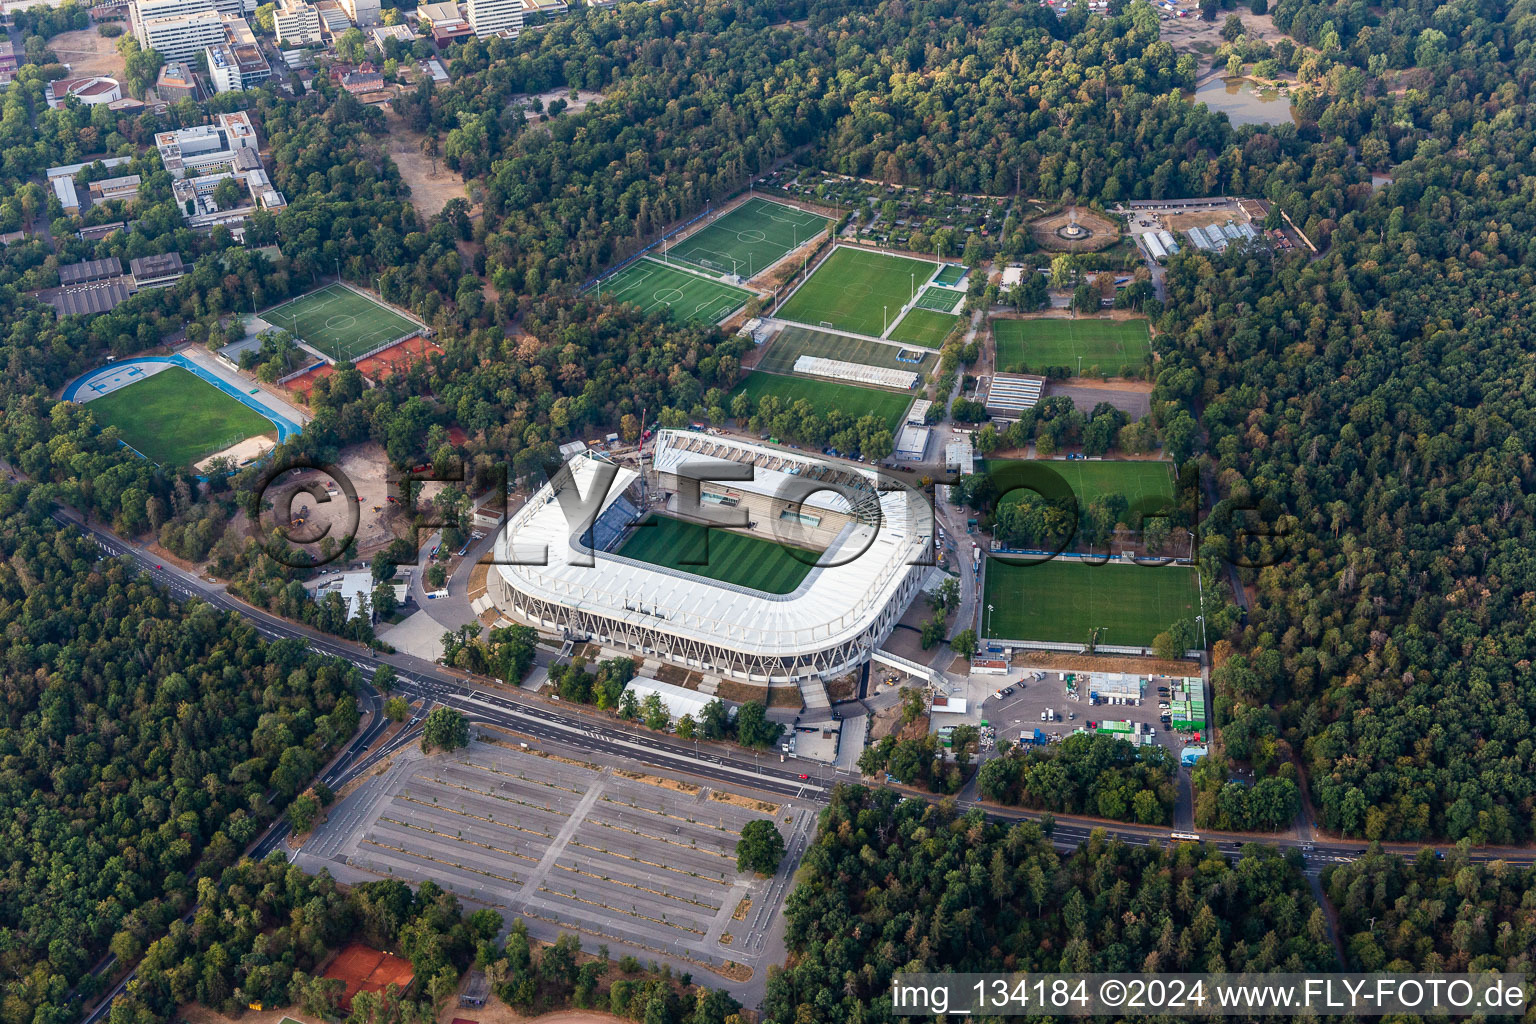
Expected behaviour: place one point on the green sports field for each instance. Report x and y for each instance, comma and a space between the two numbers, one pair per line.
729, 557
826, 395
942, 299
1030, 346
1064, 601
1089, 478
748, 239
339, 323
794, 342
924, 327
951, 274
687, 296
174, 418
855, 289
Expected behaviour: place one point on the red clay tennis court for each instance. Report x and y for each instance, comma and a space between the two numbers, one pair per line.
304, 383
365, 969
412, 350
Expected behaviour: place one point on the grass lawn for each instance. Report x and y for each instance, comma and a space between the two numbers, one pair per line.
855, 289
1089, 479
826, 395
719, 554
748, 239
794, 342
942, 299
687, 296
1029, 346
1063, 601
339, 323
924, 327
175, 418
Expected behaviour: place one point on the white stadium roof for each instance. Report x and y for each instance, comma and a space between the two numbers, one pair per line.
834, 604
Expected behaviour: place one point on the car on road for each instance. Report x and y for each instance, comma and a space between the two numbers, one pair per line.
159, 567
804, 777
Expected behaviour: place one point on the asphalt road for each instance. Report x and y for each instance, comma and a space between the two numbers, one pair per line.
582, 730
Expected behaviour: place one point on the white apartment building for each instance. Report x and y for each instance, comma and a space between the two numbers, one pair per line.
181, 36
493, 17
297, 23
362, 12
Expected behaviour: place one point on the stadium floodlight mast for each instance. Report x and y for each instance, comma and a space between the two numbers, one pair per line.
989, 620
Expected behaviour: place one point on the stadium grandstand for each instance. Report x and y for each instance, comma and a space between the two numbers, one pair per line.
871, 548
857, 373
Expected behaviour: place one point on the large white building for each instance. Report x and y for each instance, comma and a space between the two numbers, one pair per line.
182, 29
207, 146
557, 571
362, 12
296, 23
496, 17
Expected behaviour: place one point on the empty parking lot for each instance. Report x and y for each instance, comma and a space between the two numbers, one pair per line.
615, 855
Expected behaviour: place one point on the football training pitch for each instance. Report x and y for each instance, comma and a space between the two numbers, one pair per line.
856, 289
826, 395
951, 274
1032, 345
174, 418
729, 557
794, 342
942, 299
1065, 601
652, 285
924, 327
339, 323
748, 239
1137, 480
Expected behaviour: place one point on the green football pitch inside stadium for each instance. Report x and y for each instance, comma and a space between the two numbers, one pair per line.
924, 327
794, 342
1088, 478
1065, 601
340, 323
174, 418
652, 285
856, 290
942, 299
826, 395
1030, 346
726, 556
748, 239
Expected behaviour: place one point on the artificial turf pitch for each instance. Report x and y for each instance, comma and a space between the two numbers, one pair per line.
726, 556
826, 395
1031, 346
685, 295
339, 323
950, 275
748, 239
1065, 601
175, 418
924, 327
942, 299
856, 289
794, 342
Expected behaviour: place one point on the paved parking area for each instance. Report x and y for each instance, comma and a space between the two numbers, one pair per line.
603, 851
1020, 711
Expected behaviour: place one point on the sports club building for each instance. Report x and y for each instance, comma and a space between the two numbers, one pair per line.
877, 548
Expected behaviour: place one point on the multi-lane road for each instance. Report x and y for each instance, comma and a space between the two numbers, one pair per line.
564, 724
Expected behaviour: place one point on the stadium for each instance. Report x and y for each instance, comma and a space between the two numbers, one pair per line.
813, 562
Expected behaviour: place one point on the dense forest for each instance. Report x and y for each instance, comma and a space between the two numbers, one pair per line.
144, 745
1433, 914
1085, 774
892, 883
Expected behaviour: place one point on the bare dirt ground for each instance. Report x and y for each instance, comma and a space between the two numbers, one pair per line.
1191, 35
88, 52
241, 452
430, 191
493, 1012
1056, 662
1105, 231
584, 98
